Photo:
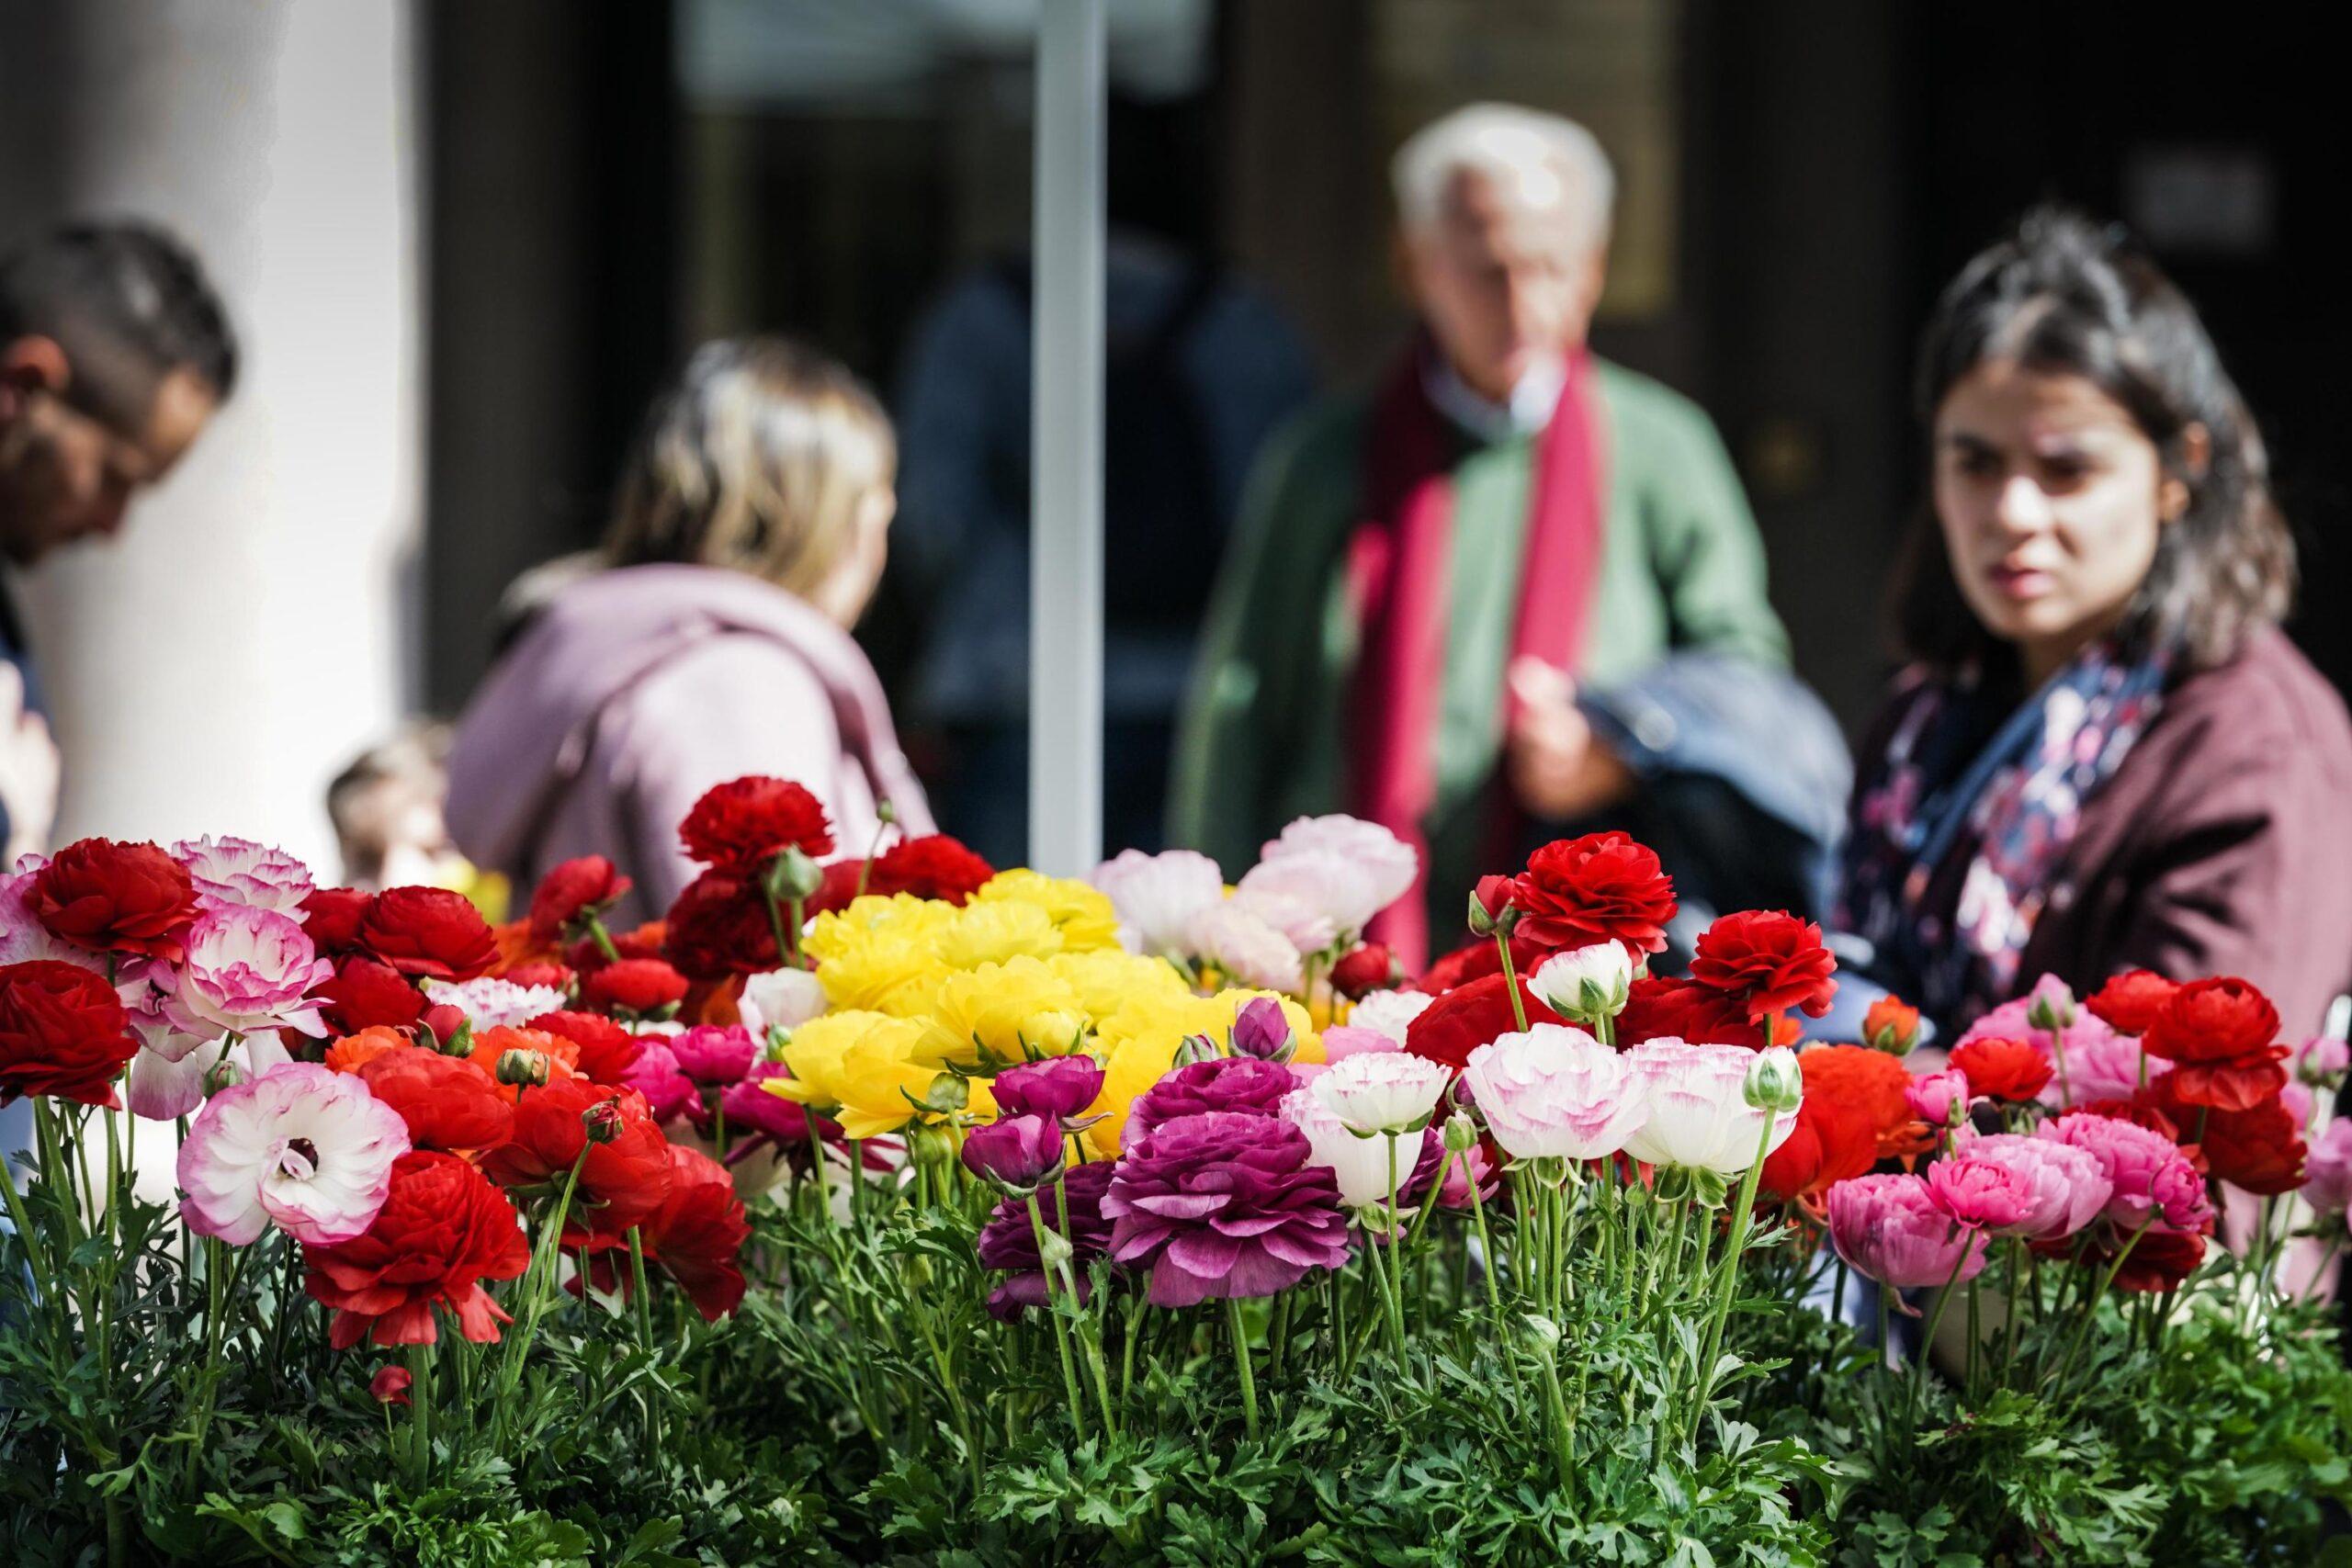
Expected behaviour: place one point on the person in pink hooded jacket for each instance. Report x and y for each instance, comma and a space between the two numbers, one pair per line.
709, 638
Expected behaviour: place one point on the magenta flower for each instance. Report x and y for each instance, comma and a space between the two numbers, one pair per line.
1892, 1229
248, 970
239, 872
1017, 1153
1981, 1193
2070, 1188
308, 1150
2154, 1185
655, 1074
1939, 1099
1057, 1087
747, 1105
714, 1054
1260, 1030
1009, 1242
2327, 1170
1224, 1204
1229, 1083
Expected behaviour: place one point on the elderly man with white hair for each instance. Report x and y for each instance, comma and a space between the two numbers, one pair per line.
1434, 591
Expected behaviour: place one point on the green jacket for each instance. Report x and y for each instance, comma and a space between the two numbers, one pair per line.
1261, 739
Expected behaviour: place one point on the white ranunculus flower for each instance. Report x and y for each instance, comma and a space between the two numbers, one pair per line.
1586, 984
781, 998
1360, 1165
1553, 1092
1698, 1114
1251, 951
1389, 1012
1382, 1091
1348, 868
1157, 896
489, 1002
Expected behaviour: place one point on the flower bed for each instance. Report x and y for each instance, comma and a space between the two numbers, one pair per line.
900, 1210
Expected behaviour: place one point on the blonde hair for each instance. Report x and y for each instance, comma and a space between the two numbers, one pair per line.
756, 460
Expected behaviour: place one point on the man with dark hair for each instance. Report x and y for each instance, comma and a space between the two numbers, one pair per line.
114, 354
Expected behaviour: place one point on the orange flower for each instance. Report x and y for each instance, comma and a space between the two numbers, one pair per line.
1892, 1025
564, 1056
517, 946
1877, 1083
354, 1051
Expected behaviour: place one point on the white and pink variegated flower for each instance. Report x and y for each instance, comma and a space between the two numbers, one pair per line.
1389, 1012
1698, 1114
1554, 1092
1249, 950
489, 1002
248, 969
1347, 867
308, 1150
239, 872
1382, 1091
1157, 898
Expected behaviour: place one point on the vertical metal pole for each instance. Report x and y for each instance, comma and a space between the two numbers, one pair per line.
1066, 447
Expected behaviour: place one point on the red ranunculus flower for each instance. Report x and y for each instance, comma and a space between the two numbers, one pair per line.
1835, 1140
544, 972
1771, 960
744, 823
719, 927
366, 992
635, 984
1469, 1016
2260, 1148
2014, 1070
607, 1050
2159, 1260
117, 898
934, 866
1601, 887
1370, 966
697, 1238
429, 933
1477, 959
442, 1232
449, 1102
2130, 1001
646, 941
623, 1182
331, 917
62, 1033
2221, 1036
576, 887
1659, 1007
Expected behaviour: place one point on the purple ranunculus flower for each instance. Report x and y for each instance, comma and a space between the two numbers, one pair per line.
1009, 1242
1260, 1030
1230, 1083
1223, 1203
715, 1053
1014, 1152
1057, 1087
747, 1105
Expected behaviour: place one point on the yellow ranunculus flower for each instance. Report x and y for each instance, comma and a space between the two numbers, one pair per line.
1085, 915
886, 970
1140, 1041
1106, 978
995, 932
835, 931
1011, 1010
813, 1056
882, 1083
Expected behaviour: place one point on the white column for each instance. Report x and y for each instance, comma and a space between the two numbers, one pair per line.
1066, 526
216, 665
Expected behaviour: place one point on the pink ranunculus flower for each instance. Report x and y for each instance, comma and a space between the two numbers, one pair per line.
1981, 1193
1389, 1012
2090, 1061
1554, 1092
655, 1074
1303, 925
2320, 1062
1358, 1165
1157, 898
1383, 1091
1892, 1229
247, 970
1246, 948
2327, 1169
1342, 1041
1939, 1099
2070, 1188
1699, 1116
489, 1002
2154, 1185
1347, 867
163, 1089
308, 1150
239, 872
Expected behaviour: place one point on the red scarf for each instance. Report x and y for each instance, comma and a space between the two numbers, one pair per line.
1398, 571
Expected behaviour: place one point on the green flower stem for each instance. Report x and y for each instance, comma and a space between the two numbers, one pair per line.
602, 938
1743, 1219
1927, 1340
2091, 1304
1510, 983
1061, 1329
1562, 1428
1242, 1364
420, 1373
1089, 1325
1396, 1261
537, 1279
642, 1299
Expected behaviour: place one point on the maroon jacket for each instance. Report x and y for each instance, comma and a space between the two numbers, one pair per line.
2223, 845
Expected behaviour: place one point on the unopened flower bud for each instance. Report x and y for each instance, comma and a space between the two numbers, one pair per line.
602, 1121
1774, 1081
1587, 984
930, 1147
1491, 910
222, 1074
1543, 1330
1461, 1133
1892, 1025
1055, 1250
526, 1068
794, 875
1263, 1031
886, 812
1196, 1048
779, 1038
2051, 1008
946, 1095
